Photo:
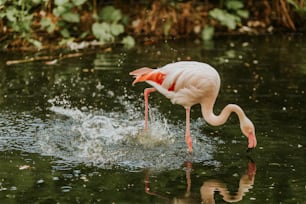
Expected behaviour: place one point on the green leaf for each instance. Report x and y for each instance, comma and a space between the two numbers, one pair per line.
110, 14
293, 3
79, 2
2, 2
65, 33
45, 22
128, 41
102, 31
51, 28
225, 18
218, 14
167, 27
36, 1
125, 20
58, 11
71, 17
116, 29
60, 2
243, 13
10, 14
66, 41
83, 35
234, 4
36, 43
207, 32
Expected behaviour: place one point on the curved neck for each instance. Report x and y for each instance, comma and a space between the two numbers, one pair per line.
216, 120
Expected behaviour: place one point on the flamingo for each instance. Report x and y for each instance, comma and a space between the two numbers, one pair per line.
188, 83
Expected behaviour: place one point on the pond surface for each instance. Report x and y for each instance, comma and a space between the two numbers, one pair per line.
71, 132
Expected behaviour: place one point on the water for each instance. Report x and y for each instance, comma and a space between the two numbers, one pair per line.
72, 132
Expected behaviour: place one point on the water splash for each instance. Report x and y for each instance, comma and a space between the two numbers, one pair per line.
108, 139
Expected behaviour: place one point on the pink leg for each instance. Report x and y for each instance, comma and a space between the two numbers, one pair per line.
147, 92
187, 134
188, 177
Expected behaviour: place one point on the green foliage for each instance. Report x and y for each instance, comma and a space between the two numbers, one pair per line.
65, 19
128, 41
299, 8
231, 16
225, 18
110, 25
19, 18
110, 14
67, 14
234, 4
102, 31
46, 23
167, 27
207, 33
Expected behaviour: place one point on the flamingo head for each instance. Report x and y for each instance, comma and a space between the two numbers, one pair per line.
248, 130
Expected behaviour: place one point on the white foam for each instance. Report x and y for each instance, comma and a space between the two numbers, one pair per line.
108, 139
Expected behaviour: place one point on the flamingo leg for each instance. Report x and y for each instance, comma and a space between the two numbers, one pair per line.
147, 92
187, 134
188, 178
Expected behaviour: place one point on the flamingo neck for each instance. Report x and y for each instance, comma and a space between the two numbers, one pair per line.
216, 120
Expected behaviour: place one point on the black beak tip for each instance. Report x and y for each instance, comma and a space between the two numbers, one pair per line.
249, 149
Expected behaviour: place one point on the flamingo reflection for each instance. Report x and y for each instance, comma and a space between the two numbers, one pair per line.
210, 187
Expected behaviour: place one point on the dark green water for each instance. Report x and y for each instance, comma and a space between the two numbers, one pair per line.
71, 132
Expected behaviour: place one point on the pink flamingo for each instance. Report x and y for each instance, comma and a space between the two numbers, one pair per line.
188, 83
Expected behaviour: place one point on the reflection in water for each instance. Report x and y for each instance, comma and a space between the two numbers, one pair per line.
210, 187
246, 182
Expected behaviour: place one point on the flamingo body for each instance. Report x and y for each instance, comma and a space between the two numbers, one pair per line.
188, 83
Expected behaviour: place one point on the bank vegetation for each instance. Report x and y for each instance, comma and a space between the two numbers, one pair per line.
77, 24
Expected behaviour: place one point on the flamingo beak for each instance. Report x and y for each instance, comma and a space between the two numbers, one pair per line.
252, 142
135, 81
140, 78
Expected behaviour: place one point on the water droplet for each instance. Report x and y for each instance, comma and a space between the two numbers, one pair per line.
111, 93
66, 189
55, 178
245, 44
235, 175
99, 86
13, 188
24, 167
84, 178
40, 181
